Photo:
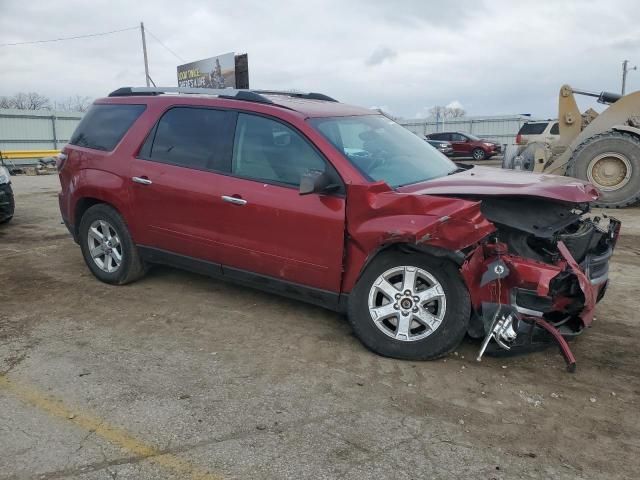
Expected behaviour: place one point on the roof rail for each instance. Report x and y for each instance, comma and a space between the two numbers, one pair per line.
229, 93
247, 95
305, 95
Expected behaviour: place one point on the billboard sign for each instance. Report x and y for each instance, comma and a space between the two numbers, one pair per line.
214, 72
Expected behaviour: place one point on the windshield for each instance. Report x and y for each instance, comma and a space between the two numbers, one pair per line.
473, 137
383, 150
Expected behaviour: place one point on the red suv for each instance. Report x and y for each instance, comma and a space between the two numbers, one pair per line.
467, 145
336, 205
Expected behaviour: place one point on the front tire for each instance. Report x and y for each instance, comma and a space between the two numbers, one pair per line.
410, 306
107, 246
478, 154
611, 162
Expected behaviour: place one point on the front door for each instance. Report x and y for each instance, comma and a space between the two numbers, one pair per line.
267, 227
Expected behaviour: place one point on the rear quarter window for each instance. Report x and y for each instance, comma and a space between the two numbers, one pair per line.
555, 130
533, 128
103, 126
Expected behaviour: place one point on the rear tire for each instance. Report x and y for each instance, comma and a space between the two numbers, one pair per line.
611, 161
478, 154
448, 311
107, 246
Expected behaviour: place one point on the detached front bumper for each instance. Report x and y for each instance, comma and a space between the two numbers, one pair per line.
545, 302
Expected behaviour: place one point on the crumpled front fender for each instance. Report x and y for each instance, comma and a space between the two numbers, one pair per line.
378, 216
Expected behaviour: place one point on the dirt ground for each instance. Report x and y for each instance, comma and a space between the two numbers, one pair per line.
181, 376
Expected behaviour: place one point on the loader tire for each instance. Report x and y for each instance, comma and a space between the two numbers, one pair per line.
611, 162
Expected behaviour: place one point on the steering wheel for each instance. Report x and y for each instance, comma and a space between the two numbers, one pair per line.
378, 159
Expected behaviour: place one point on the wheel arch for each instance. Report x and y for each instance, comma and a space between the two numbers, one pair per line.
456, 257
92, 186
82, 205
627, 129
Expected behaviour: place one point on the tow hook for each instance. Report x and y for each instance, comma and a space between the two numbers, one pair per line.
502, 328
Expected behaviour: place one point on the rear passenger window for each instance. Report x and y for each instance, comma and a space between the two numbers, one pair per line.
103, 126
198, 138
270, 151
532, 128
555, 130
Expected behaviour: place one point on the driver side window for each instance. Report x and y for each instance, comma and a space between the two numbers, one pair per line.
270, 151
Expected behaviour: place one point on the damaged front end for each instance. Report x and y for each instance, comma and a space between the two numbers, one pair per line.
537, 278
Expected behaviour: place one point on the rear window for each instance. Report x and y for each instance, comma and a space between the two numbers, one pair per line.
103, 126
532, 128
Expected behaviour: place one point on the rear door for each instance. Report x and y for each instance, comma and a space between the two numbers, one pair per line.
460, 144
175, 182
266, 226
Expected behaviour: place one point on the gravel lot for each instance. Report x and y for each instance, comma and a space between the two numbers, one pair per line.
180, 376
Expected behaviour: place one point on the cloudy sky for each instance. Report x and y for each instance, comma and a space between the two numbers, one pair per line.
492, 57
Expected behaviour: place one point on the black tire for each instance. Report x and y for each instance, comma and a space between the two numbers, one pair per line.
478, 154
11, 206
446, 337
612, 141
131, 267
510, 153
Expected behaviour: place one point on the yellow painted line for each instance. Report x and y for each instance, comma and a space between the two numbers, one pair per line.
112, 434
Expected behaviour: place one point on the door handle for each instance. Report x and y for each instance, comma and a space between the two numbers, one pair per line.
234, 200
142, 180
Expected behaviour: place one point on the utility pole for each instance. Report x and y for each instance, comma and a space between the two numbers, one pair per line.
625, 70
146, 61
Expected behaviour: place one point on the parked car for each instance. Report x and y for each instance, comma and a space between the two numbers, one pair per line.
545, 131
467, 145
303, 196
441, 146
7, 202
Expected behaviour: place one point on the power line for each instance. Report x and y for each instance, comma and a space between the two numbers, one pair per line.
168, 49
67, 38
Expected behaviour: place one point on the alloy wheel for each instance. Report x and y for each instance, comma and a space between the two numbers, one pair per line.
104, 246
407, 303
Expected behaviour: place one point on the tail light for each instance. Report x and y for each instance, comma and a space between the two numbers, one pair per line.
61, 158
519, 139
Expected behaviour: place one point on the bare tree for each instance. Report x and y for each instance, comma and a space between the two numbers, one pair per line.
438, 112
30, 101
5, 102
455, 112
441, 113
75, 103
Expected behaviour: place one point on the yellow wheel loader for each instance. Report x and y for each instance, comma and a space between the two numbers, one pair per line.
603, 149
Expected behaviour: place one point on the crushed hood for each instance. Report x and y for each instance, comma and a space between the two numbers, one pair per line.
494, 181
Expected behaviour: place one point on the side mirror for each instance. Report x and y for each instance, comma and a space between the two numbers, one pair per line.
315, 181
